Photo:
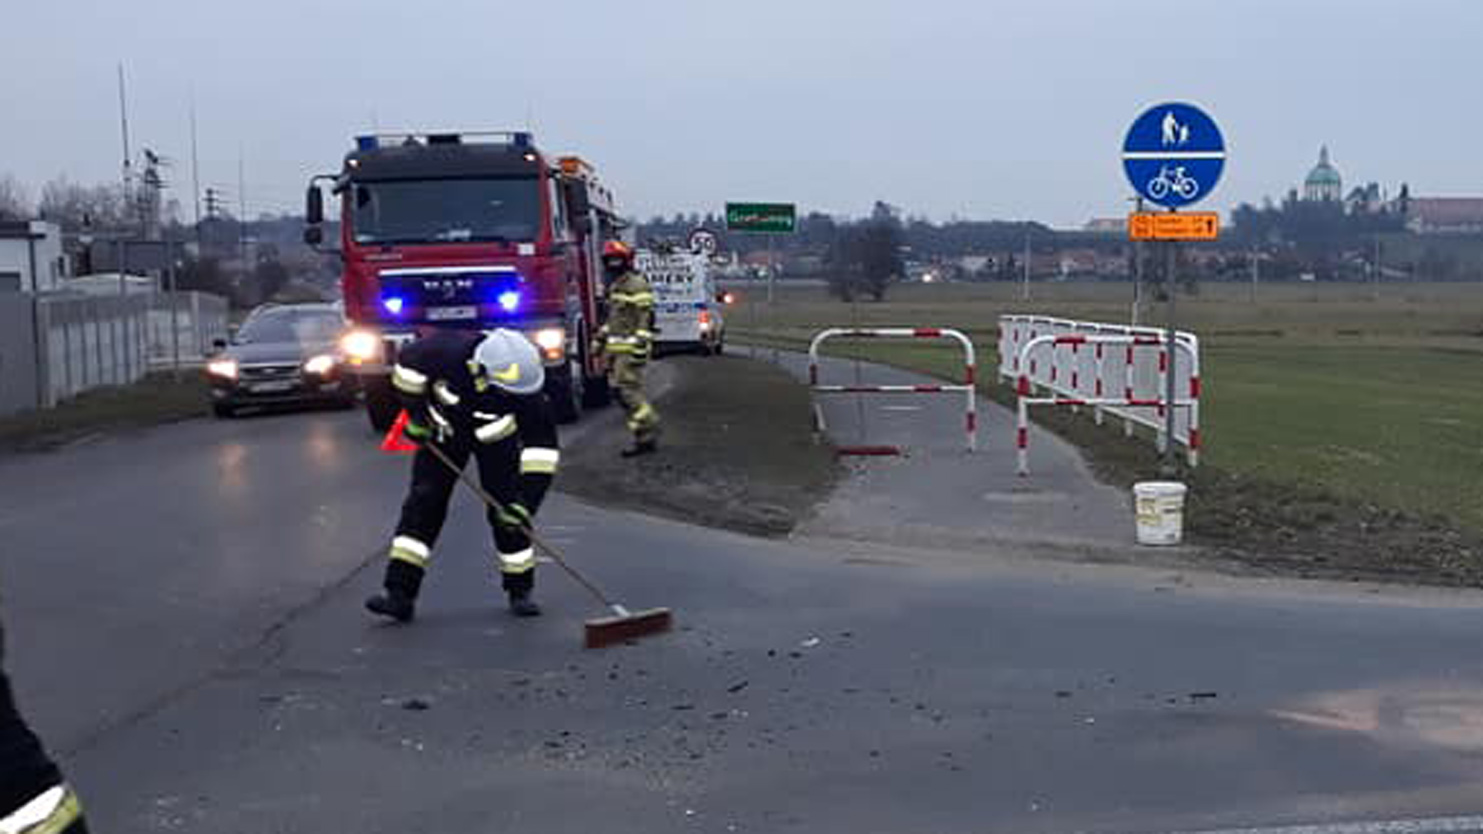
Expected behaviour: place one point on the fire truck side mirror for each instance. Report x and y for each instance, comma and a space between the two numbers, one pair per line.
313, 235
314, 206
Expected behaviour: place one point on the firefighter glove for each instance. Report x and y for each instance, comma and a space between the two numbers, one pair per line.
514, 516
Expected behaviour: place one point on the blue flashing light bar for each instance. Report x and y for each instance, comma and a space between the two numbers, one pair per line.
394, 304
509, 301
365, 143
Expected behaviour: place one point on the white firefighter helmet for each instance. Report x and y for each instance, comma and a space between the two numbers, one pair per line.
508, 360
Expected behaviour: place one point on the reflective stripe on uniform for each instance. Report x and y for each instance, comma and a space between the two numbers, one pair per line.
445, 394
410, 550
51, 812
640, 299
496, 430
518, 562
537, 460
408, 381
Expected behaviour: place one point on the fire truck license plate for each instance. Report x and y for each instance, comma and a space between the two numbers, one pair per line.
451, 313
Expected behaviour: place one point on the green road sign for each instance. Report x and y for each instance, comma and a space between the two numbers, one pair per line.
773, 218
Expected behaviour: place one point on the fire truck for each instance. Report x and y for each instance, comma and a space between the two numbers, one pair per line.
468, 230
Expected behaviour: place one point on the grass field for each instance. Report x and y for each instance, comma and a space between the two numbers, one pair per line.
158, 398
1373, 396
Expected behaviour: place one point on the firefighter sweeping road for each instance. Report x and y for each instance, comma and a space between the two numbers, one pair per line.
224, 678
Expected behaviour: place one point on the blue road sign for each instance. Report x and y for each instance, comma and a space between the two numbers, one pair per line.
1174, 154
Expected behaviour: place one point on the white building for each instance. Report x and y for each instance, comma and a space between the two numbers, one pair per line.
31, 258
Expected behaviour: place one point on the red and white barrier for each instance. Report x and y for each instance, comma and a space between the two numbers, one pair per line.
970, 366
1109, 368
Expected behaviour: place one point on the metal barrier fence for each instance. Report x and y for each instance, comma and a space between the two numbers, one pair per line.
1110, 368
970, 366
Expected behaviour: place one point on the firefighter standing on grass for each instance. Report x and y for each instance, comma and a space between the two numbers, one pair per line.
33, 797
628, 341
472, 395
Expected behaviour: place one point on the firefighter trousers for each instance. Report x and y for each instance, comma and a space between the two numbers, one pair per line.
628, 381
426, 508
32, 793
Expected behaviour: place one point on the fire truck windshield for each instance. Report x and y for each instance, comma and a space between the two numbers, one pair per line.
446, 210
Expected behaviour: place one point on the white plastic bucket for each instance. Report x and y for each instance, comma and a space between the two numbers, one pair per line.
1160, 509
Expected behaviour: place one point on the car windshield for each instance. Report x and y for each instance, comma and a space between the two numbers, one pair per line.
291, 326
446, 211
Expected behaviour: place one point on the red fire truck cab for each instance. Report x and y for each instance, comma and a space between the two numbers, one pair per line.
468, 230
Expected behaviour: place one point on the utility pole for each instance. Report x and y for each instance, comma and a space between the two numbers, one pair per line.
1025, 284
1255, 272
123, 118
1375, 267
196, 171
242, 210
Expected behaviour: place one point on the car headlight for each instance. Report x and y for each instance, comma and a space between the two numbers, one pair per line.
551, 341
320, 365
224, 368
361, 346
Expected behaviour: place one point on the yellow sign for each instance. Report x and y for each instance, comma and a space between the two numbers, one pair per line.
1172, 225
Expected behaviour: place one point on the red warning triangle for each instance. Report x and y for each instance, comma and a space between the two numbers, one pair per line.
396, 442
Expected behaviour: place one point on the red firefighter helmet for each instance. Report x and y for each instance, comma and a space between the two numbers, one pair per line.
616, 254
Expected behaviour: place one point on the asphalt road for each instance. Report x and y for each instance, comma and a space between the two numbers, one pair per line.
185, 610
937, 494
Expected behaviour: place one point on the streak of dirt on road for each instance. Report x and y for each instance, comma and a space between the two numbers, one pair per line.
738, 452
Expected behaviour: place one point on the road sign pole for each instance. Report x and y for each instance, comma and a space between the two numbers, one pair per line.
1172, 357
772, 268
1137, 266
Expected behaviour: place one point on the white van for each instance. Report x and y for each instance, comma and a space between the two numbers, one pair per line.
687, 309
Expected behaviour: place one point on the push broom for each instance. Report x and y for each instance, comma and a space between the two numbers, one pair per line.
622, 624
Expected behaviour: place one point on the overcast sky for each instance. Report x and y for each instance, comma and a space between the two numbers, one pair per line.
977, 108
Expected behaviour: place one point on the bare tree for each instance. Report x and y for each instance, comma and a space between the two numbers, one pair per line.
77, 207
14, 203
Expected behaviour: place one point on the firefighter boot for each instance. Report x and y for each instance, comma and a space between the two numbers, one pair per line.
641, 447
518, 587
394, 604
399, 600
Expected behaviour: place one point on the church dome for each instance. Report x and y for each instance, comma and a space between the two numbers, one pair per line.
1323, 182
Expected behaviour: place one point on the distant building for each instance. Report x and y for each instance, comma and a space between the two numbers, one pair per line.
1445, 215
1366, 199
31, 257
1323, 185
1106, 226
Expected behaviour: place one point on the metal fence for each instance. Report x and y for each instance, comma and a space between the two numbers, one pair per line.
183, 325
55, 347
1094, 370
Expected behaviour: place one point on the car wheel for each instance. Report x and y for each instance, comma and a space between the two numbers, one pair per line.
224, 411
564, 388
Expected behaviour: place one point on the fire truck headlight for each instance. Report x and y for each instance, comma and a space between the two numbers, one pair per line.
551, 341
360, 346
